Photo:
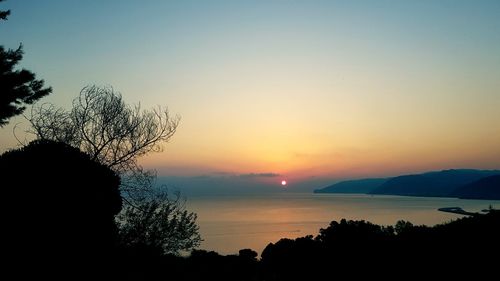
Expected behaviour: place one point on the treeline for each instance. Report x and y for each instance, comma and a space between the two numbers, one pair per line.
345, 250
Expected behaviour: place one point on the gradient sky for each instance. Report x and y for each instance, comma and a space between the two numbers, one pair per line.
304, 89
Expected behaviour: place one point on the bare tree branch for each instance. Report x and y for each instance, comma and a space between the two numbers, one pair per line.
104, 127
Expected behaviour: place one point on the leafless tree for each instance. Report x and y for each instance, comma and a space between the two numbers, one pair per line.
104, 127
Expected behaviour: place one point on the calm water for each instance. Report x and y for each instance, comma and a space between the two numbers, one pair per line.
230, 223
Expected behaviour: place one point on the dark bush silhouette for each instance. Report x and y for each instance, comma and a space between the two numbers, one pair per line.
58, 208
159, 222
204, 265
147, 263
345, 250
357, 249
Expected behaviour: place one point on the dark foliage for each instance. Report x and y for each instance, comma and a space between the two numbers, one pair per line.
161, 222
357, 249
17, 87
144, 263
345, 250
58, 209
4, 14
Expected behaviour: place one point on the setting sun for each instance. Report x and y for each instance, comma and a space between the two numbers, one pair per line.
177, 119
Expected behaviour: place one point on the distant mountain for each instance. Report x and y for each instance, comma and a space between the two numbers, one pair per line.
461, 183
353, 186
485, 188
438, 184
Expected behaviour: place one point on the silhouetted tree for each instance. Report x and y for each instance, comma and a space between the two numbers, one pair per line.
17, 87
58, 208
350, 230
402, 227
110, 132
103, 126
159, 222
248, 254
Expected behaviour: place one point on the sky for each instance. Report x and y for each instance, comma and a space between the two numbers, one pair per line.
298, 90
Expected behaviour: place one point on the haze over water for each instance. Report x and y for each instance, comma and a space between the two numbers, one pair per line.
230, 223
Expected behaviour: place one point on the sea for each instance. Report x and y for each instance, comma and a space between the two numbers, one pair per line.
230, 223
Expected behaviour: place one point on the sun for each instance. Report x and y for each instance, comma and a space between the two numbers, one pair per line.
283, 182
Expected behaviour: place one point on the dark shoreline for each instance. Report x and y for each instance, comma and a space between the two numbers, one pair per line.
457, 210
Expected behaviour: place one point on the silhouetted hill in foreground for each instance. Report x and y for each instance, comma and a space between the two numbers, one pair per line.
57, 212
436, 184
485, 188
353, 186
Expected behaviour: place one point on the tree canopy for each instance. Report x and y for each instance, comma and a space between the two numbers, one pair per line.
160, 222
59, 207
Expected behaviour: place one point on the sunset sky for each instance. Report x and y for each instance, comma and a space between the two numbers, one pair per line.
303, 89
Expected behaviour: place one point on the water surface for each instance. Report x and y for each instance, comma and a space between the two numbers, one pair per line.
230, 223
